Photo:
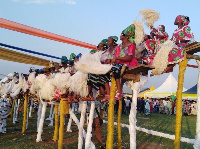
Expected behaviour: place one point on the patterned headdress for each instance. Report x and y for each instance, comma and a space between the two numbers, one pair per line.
104, 41
72, 57
64, 60
115, 38
183, 19
160, 28
130, 32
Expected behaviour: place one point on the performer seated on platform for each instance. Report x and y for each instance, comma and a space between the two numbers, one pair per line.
182, 36
95, 81
124, 55
106, 58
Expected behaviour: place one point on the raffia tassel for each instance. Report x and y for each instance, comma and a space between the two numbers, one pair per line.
161, 59
150, 16
78, 83
62, 81
39, 81
90, 63
31, 77
139, 32
47, 90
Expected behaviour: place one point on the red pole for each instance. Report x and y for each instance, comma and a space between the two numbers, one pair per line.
44, 34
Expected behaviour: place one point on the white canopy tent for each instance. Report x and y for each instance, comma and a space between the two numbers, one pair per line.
169, 87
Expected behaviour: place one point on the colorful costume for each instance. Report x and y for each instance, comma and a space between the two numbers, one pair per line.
161, 37
150, 54
177, 53
123, 52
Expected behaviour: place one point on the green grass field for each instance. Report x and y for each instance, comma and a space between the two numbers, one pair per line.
14, 139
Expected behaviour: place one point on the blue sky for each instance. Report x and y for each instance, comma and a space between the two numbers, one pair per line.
89, 21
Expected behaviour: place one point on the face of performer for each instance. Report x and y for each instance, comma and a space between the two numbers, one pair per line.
110, 42
177, 22
101, 47
123, 36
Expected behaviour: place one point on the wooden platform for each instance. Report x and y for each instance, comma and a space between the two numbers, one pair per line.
134, 73
138, 69
193, 48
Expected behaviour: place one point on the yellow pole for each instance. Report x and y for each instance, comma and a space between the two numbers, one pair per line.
110, 128
25, 112
119, 146
55, 137
11, 112
182, 67
64, 109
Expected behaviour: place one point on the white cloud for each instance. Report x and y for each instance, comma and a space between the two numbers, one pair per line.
72, 2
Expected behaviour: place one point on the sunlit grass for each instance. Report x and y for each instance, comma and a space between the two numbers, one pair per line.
14, 139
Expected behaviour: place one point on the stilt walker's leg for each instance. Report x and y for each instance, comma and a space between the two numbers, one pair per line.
89, 128
40, 128
197, 137
132, 116
182, 67
25, 113
82, 120
11, 112
52, 117
64, 109
110, 128
55, 136
70, 122
39, 114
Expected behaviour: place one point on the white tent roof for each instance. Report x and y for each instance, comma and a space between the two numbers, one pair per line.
166, 89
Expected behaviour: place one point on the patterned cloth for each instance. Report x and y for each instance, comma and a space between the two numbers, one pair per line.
161, 37
183, 19
129, 50
177, 53
150, 54
130, 33
107, 55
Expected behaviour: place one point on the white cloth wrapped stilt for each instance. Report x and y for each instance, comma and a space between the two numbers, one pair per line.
89, 128
82, 120
70, 122
31, 107
39, 114
197, 137
92, 146
132, 116
40, 128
